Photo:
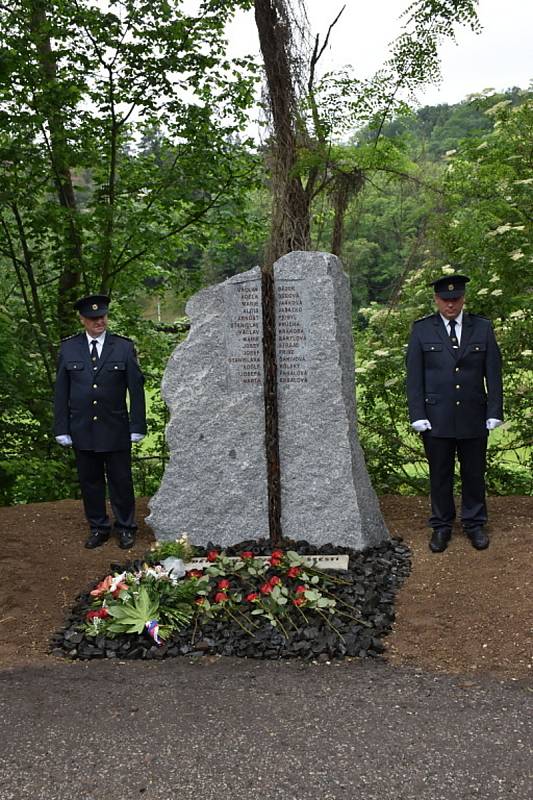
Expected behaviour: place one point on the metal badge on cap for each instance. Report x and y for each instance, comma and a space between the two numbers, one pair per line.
94, 305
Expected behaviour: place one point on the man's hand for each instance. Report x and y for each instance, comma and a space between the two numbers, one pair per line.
64, 440
136, 437
493, 423
421, 425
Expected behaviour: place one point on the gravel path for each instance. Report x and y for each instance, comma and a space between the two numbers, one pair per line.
238, 729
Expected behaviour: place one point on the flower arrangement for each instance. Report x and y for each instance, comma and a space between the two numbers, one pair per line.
162, 597
280, 589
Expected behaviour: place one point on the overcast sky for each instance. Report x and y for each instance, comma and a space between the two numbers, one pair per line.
500, 57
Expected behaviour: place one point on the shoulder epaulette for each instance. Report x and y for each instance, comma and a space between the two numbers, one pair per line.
72, 336
478, 316
119, 335
428, 316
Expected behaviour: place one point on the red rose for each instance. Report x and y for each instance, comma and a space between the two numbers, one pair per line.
212, 555
252, 597
275, 562
300, 589
277, 554
195, 573
223, 583
266, 588
298, 601
274, 580
101, 613
247, 554
221, 597
293, 572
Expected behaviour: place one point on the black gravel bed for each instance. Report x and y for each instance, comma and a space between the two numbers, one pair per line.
374, 576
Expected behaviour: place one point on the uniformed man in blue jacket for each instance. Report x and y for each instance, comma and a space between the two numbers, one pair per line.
454, 391
96, 369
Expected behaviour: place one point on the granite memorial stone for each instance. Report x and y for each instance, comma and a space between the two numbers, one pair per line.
326, 494
215, 484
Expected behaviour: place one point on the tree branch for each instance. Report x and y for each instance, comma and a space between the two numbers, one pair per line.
30, 309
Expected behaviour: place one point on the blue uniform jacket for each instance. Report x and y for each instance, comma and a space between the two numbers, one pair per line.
90, 402
457, 390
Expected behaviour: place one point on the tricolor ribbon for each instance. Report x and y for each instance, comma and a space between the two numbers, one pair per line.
153, 629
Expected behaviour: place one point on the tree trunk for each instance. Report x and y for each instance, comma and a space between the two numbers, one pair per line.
290, 226
71, 267
346, 186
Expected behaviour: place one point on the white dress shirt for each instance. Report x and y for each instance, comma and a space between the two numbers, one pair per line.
99, 342
458, 325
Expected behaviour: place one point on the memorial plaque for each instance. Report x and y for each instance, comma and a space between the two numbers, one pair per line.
244, 333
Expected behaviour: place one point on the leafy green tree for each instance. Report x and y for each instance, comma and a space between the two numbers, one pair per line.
309, 114
86, 204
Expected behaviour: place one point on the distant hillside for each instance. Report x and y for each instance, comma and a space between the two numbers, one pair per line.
437, 129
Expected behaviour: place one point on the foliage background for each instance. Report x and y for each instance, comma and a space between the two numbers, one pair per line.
123, 169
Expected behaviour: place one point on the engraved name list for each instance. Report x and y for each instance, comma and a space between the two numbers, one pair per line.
291, 335
244, 331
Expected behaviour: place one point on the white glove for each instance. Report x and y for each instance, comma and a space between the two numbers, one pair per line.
136, 437
493, 423
64, 440
421, 425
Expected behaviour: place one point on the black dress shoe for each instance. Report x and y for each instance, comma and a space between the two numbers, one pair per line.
478, 538
439, 541
96, 538
126, 538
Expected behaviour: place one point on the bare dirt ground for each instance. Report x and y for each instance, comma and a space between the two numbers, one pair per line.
462, 611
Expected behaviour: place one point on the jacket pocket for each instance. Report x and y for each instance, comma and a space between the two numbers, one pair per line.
75, 365
431, 399
476, 347
117, 365
429, 347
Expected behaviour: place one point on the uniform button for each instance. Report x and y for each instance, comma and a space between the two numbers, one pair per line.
95, 402
95, 367
93, 359
115, 367
458, 403
95, 418
95, 386
457, 386
457, 369
432, 348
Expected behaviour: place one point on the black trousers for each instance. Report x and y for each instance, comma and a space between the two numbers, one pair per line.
472, 455
94, 470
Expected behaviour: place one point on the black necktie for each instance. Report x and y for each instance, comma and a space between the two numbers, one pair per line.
453, 335
94, 353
